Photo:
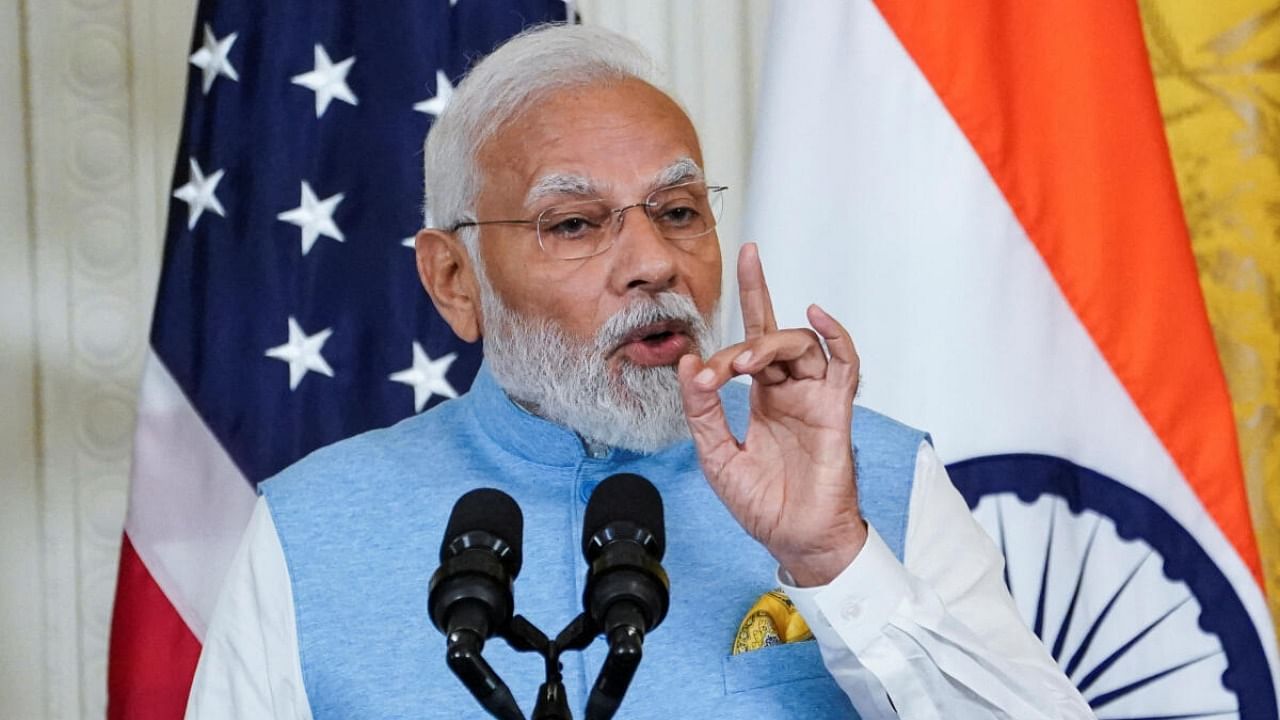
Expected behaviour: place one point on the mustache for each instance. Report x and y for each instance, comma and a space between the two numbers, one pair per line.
669, 307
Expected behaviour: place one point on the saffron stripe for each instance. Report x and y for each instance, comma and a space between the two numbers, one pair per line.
1095, 193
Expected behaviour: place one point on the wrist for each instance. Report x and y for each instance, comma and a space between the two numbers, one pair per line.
818, 566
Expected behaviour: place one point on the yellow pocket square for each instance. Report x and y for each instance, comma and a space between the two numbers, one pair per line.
772, 620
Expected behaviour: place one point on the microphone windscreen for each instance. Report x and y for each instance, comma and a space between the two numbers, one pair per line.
625, 497
487, 510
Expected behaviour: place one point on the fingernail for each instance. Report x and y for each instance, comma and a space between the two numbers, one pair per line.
705, 377
743, 360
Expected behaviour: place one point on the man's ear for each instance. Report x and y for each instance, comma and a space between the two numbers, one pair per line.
444, 265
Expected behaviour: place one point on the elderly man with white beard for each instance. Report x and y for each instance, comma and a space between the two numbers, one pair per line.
574, 231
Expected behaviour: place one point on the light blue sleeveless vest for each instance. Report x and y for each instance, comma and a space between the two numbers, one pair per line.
361, 523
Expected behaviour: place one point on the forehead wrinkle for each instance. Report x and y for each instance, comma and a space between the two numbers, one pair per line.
560, 184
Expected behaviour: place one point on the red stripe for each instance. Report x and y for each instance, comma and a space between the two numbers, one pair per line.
153, 652
1058, 100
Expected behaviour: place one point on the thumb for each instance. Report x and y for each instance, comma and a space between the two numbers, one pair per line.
705, 414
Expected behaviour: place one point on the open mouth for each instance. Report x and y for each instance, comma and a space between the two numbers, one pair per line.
660, 343
655, 333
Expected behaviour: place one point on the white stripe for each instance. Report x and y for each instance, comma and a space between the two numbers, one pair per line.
188, 504
869, 200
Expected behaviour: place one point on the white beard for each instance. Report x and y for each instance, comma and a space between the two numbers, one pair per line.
569, 382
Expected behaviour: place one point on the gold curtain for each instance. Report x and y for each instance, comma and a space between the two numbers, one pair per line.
1217, 69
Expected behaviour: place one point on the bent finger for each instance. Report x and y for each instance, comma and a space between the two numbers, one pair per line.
718, 369
844, 364
774, 357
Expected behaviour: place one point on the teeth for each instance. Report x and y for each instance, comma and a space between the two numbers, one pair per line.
663, 332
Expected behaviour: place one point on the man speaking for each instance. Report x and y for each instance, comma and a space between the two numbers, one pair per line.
573, 229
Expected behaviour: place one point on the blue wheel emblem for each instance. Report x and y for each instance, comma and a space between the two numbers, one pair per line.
1127, 602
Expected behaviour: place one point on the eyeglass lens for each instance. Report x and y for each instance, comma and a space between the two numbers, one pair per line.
586, 228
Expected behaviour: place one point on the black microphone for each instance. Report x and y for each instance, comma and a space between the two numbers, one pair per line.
627, 593
471, 592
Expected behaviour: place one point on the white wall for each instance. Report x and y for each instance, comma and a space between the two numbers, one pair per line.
88, 129
713, 50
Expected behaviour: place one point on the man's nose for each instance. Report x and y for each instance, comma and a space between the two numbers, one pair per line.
645, 259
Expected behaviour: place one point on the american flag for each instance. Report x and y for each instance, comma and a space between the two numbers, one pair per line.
289, 313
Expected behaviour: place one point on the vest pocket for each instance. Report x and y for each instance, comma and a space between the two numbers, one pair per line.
772, 665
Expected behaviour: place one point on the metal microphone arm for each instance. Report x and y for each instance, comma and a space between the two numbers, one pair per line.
523, 636
626, 649
464, 659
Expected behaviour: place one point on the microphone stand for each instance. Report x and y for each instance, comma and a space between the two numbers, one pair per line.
523, 636
625, 651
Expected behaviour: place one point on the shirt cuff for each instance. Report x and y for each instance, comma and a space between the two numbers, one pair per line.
853, 609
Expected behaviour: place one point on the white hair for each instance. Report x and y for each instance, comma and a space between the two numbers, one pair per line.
562, 378
526, 68
568, 381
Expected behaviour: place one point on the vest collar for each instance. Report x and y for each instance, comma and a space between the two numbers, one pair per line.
529, 436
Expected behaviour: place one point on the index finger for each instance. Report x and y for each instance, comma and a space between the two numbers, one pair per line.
753, 294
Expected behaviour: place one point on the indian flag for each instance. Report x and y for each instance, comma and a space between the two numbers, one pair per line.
982, 191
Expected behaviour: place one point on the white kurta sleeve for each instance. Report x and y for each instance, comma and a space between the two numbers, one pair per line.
936, 636
249, 666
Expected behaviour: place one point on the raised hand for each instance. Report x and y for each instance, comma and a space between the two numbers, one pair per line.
791, 482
